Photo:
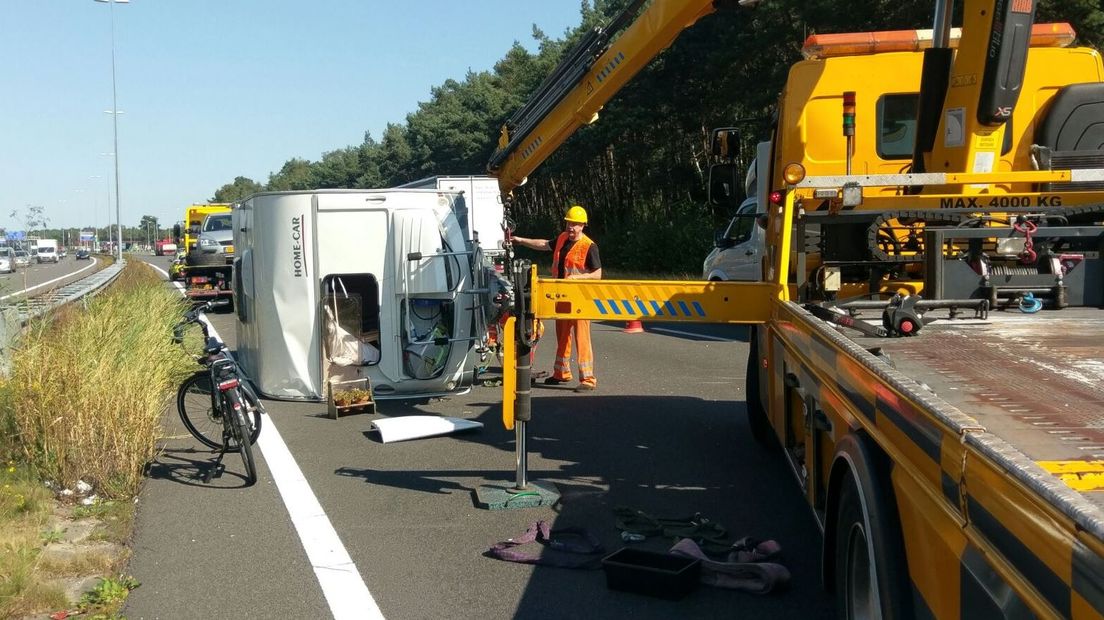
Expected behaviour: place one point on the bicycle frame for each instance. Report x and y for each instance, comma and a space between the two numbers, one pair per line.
222, 372
233, 401
219, 359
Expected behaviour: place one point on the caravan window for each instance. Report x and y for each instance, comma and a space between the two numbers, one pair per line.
427, 337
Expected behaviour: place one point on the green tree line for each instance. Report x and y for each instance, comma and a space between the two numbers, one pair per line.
641, 171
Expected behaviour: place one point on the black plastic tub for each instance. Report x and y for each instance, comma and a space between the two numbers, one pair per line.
647, 572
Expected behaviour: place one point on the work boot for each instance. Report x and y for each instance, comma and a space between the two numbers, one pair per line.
586, 387
555, 381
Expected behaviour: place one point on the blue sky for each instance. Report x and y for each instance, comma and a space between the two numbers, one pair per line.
213, 89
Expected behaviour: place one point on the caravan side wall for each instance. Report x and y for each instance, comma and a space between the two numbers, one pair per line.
277, 317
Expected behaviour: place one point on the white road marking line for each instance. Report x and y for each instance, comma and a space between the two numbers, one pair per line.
161, 271
344, 588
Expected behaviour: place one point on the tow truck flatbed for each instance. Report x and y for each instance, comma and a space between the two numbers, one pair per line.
1034, 380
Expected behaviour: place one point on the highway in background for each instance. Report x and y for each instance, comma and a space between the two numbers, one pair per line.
665, 433
36, 279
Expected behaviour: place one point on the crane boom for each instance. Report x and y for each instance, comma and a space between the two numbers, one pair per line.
589, 76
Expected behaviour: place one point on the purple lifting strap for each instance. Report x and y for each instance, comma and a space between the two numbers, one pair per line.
569, 547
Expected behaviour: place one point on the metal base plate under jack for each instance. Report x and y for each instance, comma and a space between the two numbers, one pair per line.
504, 497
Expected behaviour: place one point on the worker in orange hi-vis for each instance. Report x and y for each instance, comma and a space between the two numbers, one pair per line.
574, 257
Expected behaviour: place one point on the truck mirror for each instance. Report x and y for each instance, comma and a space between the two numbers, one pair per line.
725, 142
176, 233
724, 185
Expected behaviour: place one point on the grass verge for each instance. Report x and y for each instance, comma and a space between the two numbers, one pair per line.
84, 401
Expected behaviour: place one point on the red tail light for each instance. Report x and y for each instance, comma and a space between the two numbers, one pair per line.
777, 197
228, 384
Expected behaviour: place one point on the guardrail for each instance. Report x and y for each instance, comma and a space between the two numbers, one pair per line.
14, 317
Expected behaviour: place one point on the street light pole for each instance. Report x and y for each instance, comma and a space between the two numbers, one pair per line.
96, 215
115, 130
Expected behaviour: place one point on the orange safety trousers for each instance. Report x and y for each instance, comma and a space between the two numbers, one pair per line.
561, 368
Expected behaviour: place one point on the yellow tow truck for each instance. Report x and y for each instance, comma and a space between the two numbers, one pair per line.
193, 220
927, 345
203, 278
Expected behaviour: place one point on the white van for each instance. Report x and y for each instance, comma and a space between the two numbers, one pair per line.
352, 284
479, 208
738, 250
47, 251
7, 260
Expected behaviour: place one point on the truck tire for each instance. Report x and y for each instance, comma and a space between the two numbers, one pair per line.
197, 258
866, 553
758, 422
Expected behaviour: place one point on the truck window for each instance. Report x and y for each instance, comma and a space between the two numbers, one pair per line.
896, 125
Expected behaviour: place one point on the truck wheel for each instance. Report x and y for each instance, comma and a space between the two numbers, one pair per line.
760, 426
855, 592
870, 573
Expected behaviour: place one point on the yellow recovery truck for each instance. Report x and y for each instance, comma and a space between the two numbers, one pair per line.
202, 279
948, 185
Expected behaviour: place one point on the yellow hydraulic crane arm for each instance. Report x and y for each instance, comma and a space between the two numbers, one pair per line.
968, 96
589, 76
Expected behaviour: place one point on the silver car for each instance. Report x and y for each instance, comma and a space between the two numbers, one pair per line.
215, 244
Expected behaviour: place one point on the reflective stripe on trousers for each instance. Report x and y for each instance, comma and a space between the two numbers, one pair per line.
562, 366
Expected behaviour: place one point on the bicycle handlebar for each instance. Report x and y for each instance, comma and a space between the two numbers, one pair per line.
195, 316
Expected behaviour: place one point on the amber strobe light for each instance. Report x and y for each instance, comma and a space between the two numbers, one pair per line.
793, 173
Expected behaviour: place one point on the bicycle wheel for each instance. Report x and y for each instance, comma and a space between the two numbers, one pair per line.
241, 433
193, 402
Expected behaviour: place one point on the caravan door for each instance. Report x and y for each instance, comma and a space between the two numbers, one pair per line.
351, 230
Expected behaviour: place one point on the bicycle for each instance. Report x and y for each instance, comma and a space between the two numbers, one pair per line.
227, 418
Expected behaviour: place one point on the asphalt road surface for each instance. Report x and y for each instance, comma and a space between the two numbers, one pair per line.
357, 528
35, 279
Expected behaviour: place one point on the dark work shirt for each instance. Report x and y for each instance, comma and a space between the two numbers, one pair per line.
593, 261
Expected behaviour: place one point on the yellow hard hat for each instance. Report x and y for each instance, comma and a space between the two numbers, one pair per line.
576, 214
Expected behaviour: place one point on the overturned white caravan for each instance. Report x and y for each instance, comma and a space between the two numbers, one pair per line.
348, 284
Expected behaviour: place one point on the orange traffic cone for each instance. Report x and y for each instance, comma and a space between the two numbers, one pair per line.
634, 327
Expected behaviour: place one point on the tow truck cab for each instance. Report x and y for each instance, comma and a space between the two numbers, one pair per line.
874, 79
